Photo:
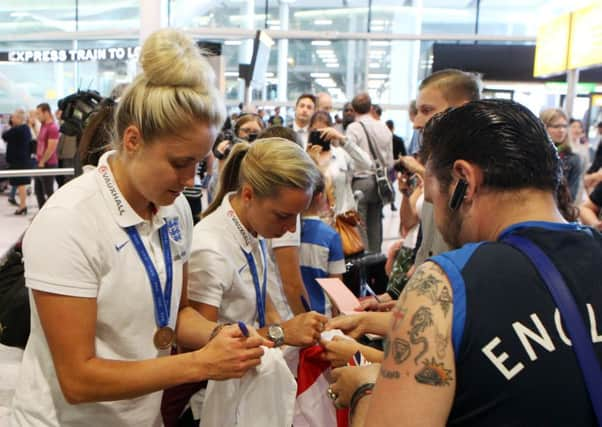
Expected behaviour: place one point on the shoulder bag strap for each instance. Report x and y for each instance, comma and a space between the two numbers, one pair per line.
377, 160
581, 339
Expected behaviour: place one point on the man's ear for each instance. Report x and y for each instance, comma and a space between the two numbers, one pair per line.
471, 174
132, 139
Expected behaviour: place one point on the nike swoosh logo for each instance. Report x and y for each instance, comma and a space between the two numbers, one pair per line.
120, 247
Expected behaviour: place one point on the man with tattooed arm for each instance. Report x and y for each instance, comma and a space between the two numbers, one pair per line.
476, 338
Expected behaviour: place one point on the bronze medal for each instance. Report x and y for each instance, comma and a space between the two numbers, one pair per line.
164, 338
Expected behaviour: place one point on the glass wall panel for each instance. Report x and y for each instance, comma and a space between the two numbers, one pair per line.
28, 84
34, 16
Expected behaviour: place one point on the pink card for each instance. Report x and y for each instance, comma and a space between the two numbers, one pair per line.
340, 295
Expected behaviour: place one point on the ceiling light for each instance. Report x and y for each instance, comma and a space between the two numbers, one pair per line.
332, 65
321, 43
325, 52
320, 75
323, 22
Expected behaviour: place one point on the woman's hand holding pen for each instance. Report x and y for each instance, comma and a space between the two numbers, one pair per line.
231, 353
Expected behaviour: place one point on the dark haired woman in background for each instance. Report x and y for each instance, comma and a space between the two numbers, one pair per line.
18, 139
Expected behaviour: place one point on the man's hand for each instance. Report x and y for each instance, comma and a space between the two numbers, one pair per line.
332, 135
411, 164
304, 329
339, 350
230, 354
350, 378
351, 325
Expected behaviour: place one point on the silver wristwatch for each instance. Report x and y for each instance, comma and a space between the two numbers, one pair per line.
276, 334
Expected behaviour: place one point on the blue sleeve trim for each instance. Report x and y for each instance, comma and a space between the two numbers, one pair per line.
452, 263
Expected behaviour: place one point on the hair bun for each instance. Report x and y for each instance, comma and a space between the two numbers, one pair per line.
171, 58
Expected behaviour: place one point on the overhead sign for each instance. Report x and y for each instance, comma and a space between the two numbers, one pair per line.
552, 48
586, 37
72, 55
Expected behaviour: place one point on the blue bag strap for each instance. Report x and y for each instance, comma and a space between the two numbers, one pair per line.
582, 343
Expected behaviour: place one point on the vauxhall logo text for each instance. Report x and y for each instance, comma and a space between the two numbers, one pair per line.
111, 186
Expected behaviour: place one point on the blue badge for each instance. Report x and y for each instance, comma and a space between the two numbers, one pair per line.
173, 228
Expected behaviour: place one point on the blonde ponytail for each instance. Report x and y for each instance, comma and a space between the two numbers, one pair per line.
267, 165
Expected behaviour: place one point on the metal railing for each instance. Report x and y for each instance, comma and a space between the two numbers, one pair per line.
15, 173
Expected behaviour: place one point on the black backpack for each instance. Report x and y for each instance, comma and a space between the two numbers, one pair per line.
14, 301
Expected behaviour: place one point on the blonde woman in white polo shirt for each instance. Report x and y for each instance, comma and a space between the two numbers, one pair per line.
262, 189
106, 262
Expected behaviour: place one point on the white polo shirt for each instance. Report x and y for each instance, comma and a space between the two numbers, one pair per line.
218, 270
77, 246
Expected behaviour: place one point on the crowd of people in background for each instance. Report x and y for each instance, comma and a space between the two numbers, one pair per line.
282, 193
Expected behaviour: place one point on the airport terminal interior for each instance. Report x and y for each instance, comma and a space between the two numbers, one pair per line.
61, 60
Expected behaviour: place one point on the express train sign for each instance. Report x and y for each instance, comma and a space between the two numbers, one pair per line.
73, 55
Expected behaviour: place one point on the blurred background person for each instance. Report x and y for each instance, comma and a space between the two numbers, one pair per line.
47, 157
18, 149
594, 174
338, 159
399, 149
276, 119
324, 102
304, 108
557, 125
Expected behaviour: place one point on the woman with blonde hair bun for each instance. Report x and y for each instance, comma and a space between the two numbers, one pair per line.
110, 302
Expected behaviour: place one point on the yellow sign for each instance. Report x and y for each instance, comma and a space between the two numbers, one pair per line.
586, 37
551, 51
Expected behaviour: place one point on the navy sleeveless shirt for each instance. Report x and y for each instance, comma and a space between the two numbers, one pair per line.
514, 362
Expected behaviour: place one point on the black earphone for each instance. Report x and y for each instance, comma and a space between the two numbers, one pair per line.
458, 196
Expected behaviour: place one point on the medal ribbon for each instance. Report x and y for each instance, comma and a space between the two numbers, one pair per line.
260, 292
161, 299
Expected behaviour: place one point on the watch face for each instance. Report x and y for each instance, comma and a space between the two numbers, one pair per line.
276, 332
276, 335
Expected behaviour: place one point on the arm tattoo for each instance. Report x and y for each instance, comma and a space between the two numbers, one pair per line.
398, 315
441, 341
433, 373
421, 320
424, 284
445, 300
390, 375
401, 350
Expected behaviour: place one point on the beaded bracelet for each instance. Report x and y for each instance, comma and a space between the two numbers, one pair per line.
363, 390
218, 328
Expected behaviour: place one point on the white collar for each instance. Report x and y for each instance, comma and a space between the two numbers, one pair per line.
299, 129
120, 209
244, 238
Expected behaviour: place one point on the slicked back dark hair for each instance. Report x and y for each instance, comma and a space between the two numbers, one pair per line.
506, 140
